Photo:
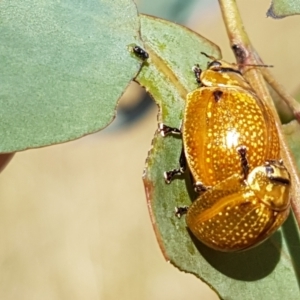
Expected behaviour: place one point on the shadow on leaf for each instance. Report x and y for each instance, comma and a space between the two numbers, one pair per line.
291, 235
249, 265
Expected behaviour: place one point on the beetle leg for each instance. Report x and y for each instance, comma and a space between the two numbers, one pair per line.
197, 71
182, 167
242, 150
199, 187
165, 130
180, 211
168, 175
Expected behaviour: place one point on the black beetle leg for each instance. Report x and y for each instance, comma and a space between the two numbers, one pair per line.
165, 130
242, 150
199, 187
182, 167
197, 71
180, 211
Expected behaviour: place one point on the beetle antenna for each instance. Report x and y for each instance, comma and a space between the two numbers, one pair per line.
208, 56
240, 65
242, 151
253, 65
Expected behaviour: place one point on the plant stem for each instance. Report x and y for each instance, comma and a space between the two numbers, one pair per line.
245, 55
233, 22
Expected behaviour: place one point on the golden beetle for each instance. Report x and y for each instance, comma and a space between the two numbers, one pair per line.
231, 146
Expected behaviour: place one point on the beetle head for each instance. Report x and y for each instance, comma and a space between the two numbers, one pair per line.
271, 184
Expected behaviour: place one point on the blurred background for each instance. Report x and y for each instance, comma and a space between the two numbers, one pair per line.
74, 222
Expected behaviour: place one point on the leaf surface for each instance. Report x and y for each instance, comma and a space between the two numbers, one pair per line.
269, 271
64, 65
283, 8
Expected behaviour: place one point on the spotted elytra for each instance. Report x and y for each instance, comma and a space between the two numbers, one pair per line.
231, 146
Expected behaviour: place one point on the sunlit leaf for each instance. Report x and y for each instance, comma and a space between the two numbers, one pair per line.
283, 8
64, 64
292, 134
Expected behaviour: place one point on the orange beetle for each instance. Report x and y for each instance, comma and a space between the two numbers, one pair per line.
231, 146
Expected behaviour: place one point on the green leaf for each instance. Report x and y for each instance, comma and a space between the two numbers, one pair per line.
284, 112
269, 271
292, 134
283, 8
168, 75
64, 64
174, 10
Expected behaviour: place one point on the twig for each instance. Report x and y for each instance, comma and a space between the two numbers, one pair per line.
245, 54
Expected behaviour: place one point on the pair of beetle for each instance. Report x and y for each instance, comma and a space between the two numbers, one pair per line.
231, 146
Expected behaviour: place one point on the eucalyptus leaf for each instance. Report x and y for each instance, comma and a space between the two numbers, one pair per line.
269, 271
292, 134
283, 8
64, 65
